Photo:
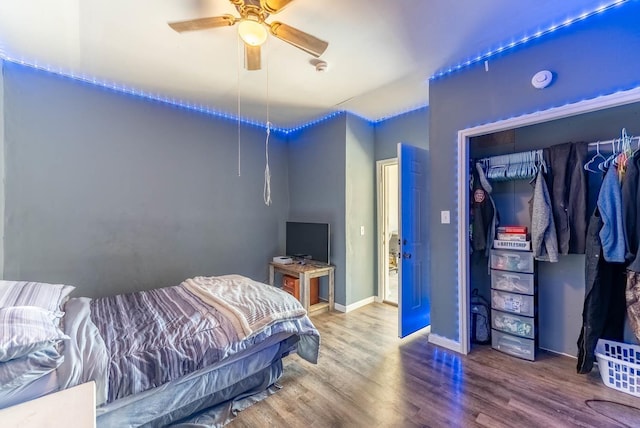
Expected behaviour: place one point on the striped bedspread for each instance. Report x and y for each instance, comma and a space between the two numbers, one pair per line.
153, 337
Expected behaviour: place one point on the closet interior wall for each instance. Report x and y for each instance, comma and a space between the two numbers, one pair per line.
560, 285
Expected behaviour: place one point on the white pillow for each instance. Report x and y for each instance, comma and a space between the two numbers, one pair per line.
51, 297
27, 329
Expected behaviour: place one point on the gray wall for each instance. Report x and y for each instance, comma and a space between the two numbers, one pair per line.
360, 210
410, 128
473, 96
317, 181
114, 193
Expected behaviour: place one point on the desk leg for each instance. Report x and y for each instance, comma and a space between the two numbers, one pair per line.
271, 275
331, 291
304, 290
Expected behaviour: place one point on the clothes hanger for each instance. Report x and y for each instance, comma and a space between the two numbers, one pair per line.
598, 157
604, 165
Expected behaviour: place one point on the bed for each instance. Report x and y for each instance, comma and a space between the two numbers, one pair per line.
185, 354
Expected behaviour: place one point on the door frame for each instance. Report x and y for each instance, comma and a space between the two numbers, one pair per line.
381, 221
574, 109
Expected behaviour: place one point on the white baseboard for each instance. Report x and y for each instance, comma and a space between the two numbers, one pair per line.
559, 353
354, 306
445, 342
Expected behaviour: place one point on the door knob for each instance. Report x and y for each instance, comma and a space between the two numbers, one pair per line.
406, 255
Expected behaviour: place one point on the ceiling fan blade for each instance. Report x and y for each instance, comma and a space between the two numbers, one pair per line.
274, 6
203, 23
252, 57
299, 39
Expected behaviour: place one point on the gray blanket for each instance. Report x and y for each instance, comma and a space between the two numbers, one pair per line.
153, 337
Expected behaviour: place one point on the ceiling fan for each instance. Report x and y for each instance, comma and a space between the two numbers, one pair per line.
253, 29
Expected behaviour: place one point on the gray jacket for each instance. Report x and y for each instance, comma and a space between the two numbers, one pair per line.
544, 241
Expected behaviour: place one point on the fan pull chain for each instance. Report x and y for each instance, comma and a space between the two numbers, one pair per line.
267, 173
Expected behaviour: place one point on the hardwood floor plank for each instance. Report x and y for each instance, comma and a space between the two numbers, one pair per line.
368, 377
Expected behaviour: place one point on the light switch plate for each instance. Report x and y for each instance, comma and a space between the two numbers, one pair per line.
445, 217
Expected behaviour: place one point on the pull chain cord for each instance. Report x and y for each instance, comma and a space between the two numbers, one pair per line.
267, 173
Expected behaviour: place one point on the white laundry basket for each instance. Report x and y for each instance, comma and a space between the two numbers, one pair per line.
619, 365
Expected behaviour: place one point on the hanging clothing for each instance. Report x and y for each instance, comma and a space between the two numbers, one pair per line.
631, 210
544, 243
483, 212
569, 192
610, 207
632, 295
603, 314
491, 231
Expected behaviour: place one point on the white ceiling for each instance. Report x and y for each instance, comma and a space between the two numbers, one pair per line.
381, 52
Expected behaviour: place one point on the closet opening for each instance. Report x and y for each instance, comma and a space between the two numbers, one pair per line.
561, 285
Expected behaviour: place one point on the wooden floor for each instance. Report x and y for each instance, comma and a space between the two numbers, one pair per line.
367, 377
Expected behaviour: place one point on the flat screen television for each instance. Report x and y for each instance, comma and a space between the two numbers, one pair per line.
308, 240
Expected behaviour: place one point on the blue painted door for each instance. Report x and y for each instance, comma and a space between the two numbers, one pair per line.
414, 309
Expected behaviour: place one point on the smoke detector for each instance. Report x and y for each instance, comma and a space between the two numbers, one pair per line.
542, 79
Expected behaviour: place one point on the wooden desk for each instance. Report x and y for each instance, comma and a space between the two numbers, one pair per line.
305, 273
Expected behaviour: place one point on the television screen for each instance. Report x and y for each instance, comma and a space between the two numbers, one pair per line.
308, 240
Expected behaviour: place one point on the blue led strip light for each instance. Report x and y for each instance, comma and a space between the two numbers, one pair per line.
286, 131
186, 105
146, 95
525, 39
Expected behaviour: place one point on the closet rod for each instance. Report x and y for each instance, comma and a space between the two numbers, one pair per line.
615, 140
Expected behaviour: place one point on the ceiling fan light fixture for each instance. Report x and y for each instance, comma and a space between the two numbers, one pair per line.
252, 32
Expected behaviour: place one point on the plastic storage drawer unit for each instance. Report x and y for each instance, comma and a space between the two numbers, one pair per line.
516, 282
514, 345
514, 324
515, 261
520, 304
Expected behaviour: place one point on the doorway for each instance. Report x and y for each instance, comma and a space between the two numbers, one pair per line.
388, 247
464, 139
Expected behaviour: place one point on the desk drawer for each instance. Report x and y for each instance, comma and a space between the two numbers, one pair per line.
517, 282
516, 261
291, 285
520, 304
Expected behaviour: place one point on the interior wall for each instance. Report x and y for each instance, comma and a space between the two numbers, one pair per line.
114, 193
410, 128
317, 183
392, 197
474, 96
360, 210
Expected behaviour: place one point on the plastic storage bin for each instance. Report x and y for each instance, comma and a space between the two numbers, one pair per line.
516, 261
514, 345
517, 282
514, 324
510, 302
619, 365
